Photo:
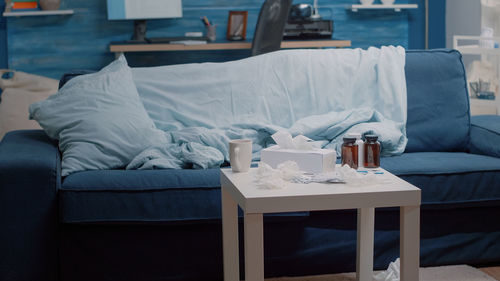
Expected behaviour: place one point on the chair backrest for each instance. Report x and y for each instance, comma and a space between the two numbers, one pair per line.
270, 25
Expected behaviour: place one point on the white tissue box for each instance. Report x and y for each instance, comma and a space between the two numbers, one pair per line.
312, 161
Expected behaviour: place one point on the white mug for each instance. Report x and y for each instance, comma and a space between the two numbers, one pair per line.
240, 155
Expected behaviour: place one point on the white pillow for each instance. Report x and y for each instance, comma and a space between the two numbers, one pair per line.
98, 119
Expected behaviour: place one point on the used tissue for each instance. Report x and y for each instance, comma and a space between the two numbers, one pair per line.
301, 151
391, 274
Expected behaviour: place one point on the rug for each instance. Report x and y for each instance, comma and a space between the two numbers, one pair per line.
440, 273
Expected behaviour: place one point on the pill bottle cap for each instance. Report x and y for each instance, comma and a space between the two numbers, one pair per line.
371, 137
349, 139
353, 135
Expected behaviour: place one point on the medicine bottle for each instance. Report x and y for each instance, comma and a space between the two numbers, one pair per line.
372, 151
359, 142
350, 152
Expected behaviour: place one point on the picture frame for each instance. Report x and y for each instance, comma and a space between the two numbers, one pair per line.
237, 25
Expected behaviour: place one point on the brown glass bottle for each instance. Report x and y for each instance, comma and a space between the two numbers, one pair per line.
372, 151
350, 152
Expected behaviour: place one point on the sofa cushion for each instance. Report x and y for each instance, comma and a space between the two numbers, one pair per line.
485, 135
449, 178
438, 102
144, 196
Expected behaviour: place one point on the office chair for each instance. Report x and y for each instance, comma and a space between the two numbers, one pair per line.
270, 25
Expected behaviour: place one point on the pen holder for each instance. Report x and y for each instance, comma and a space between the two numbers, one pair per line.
211, 35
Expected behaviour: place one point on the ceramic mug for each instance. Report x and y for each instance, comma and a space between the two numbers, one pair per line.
240, 155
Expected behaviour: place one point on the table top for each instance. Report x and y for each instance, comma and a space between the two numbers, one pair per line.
388, 191
225, 45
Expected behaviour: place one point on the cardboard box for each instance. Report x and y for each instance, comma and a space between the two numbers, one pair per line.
312, 161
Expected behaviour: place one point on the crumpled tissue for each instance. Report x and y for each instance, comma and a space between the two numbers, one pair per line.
391, 274
269, 178
285, 141
362, 177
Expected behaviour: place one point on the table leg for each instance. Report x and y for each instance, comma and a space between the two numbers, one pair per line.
254, 247
409, 243
364, 251
230, 237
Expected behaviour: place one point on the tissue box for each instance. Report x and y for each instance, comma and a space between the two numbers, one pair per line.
312, 161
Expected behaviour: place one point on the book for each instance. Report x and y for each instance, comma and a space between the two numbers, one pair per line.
189, 42
24, 5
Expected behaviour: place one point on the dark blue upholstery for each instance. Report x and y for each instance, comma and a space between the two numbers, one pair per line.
140, 195
324, 243
485, 135
70, 75
438, 102
192, 195
29, 179
449, 177
144, 196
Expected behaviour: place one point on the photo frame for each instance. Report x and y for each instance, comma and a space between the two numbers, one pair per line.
237, 25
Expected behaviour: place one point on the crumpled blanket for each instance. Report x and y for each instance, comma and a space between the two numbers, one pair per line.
199, 147
322, 94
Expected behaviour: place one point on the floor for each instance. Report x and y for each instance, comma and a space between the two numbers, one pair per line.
492, 271
441, 273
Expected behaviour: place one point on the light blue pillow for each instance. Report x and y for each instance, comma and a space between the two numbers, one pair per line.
98, 119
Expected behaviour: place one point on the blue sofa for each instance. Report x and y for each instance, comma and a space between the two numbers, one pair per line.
165, 224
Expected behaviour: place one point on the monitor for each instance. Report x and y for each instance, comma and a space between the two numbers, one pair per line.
142, 10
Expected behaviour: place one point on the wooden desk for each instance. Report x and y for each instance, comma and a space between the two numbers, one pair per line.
118, 49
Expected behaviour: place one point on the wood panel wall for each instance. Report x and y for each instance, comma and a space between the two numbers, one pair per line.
53, 45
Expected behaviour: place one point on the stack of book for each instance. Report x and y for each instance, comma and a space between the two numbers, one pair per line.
24, 5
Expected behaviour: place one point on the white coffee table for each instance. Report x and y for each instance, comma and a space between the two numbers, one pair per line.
240, 189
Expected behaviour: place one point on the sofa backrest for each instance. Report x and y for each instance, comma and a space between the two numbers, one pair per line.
438, 101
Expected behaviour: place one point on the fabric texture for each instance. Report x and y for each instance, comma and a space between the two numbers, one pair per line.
448, 177
186, 196
485, 135
98, 119
438, 101
162, 195
434, 163
306, 247
321, 94
29, 182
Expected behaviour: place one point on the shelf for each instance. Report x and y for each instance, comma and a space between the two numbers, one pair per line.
395, 7
476, 50
38, 13
484, 102
120, 48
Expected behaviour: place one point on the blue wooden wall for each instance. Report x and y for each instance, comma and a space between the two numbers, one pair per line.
52, 45
3, 39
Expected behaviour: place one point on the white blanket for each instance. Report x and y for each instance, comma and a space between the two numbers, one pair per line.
322, 94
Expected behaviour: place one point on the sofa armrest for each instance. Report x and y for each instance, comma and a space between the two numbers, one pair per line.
29, 180
485, 135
